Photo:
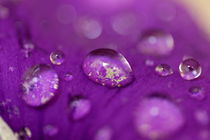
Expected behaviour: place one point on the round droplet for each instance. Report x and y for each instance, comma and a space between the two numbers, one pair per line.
50, 130
197, 93
79, 108
149, 62
156, 43
39, 85
108, 68
158, 117
57, 57
24, 134
104, 133
202, 117
89, 28
68, 77
190, 69
163, 70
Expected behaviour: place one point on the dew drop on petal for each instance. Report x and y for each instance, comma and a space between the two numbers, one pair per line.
108, 68
202, 117
57, 57
164, 70
190, 69
68, 76
104, 133
158, 117
149, 62
79, 108
89, 28
197, 93
50, 130
39, 85
156, 43
24, 133
28, 48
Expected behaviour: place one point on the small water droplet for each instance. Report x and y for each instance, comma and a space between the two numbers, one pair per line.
158, 117
104, 133
108, 68
39, 85
90, 28
4, 12
156, 43
28, 47
79, 108
68, 76
149, 62
163, 70
57, 57
190, 69
50, 130
197, 93
202, 117
24, 133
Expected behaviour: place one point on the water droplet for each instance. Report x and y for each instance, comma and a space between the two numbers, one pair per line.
39, 85
90, 28
149, 62
24, 133
50, 130
190, 69
4, 12
158, 117
57, 57
164, 70
66, 14
125, 24
108, 68
156, 43
104, 133
68, 77
202, 117
28, 47
197, 93
79, 108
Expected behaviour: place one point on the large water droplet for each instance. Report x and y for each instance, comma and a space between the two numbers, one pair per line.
156, 43
158, 117
108, 68
190, 69
197, 93
79, 107
39, 85
50, 130
163, 70
57, 57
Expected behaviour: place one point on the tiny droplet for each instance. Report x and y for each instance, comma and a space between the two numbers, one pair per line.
57, 57
163, 70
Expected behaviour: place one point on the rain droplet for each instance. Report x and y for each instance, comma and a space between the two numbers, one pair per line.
190, 69
28, 47
108, 68
163, 70
50, 130
39, 85
24, 133
57, 57
197, 93
104, 133
158, 117
79, 108
156, 43
68, 77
